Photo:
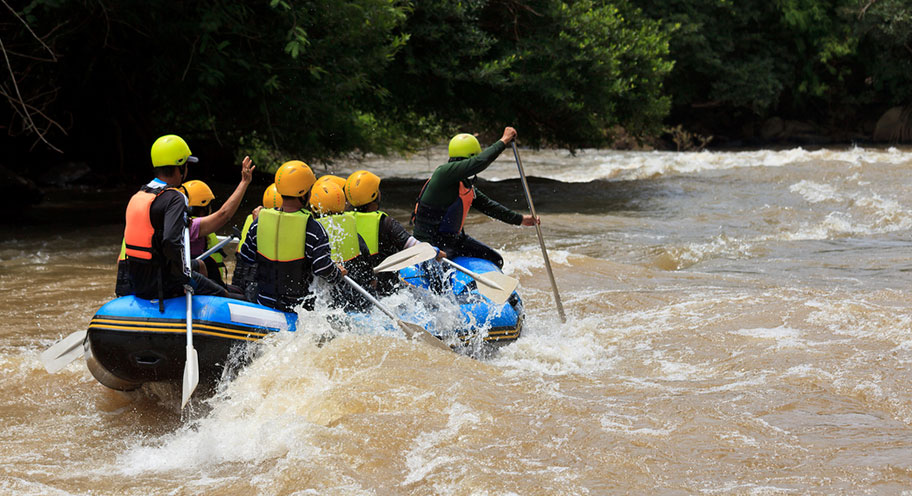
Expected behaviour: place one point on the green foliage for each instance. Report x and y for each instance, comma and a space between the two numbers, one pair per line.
562, 72
314, 79
885, 30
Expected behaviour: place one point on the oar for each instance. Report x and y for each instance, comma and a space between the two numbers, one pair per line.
496, 286
221, 244
541, 239
61, 353
410, 256
191, 367
412, 331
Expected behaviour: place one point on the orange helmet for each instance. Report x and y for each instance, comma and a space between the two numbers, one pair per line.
294, 178
362, 187
271, 197
198, 193
339, 181
327, 198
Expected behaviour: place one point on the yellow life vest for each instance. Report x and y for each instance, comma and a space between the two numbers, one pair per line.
281, 255
342, 230
369, 228
244, 230
217, 257
281, 236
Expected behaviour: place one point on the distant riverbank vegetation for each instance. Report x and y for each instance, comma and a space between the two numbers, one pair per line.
96, 82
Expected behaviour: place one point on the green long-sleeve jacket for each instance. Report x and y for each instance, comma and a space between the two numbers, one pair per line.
442, 190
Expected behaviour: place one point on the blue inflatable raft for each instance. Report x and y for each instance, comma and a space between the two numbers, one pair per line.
130, 342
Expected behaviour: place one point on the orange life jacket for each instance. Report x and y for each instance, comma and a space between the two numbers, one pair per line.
449, 220
139, 231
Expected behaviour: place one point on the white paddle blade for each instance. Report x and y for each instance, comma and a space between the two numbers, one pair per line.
417, 333
421, 252
191, 376
61, 353
496, 286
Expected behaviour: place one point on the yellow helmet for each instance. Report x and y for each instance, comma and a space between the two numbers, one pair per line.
327, 198
171, 150
271, 197
464, 145
198, 193
294, 178
339, 181
362, 187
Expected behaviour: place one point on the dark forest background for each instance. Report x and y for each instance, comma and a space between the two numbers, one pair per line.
91, 83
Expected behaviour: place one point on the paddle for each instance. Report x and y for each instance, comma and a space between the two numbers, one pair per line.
407, 257
61, 353
191, 367
221, 244
541, 239
412, 331
496, 286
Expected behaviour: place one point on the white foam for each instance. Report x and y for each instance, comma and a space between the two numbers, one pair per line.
616, 165
429, 450
784, 337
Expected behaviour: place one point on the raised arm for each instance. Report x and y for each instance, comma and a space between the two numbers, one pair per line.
214, 221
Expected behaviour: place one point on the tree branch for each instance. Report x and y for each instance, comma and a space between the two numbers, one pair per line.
26, 115
29, 28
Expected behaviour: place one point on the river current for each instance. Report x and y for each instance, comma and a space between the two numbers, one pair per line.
737, 323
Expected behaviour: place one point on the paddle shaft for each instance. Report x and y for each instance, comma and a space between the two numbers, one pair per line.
412, 331
191, 367
541, 239
188, 271
221, 244
473, 275
369, 297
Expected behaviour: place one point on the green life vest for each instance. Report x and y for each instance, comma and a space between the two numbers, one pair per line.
369, 228
342, 230
217, 257
281, 236
281, 255
244, 230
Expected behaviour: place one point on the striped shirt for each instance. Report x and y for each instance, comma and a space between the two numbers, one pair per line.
316, 252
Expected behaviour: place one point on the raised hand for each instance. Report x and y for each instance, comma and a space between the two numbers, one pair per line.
247, 168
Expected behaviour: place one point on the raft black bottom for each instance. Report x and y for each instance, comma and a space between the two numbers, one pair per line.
124, 360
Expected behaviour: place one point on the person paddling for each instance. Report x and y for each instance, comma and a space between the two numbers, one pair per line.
152, 256
288, 245
347, 247
383, 234
444, 201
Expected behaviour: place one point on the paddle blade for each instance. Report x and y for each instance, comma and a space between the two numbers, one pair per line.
418, 333
61, 353
191, 376
421, 252
496, 286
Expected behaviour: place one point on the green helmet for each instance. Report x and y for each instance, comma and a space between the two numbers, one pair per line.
170, 150
464, 145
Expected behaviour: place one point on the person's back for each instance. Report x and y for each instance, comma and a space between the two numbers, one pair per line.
445, 199
347, 247
288, 245
156, 218
383, 235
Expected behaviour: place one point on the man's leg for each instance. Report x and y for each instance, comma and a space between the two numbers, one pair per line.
205, 286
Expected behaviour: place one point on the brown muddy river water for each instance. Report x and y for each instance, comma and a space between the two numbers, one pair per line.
738, 323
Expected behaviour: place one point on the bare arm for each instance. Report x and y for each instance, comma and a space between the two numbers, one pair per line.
214, 221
